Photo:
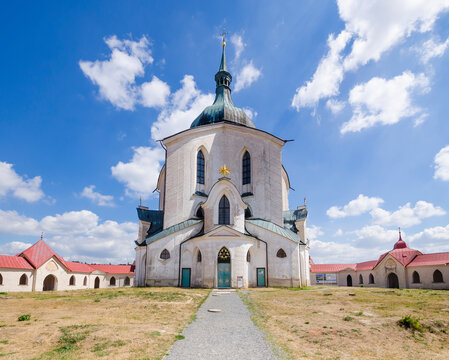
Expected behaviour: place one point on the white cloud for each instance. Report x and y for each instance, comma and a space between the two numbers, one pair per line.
20, 187
431, 49
328, 75
185, 105
372, 28
382, 101
239, 45
375, 234
339, 232
313, 232
247, 75
75, 235
434, 233
358, 206
335, 106
442, 164
331, 252
99, 199
141, 173
406, 215
250, 112
154, 93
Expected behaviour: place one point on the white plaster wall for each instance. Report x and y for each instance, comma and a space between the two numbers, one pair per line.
140, 265
11, 279
426, 277
223, 144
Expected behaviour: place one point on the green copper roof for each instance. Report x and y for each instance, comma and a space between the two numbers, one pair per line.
268, 225
171, 230
223, 109
291, 216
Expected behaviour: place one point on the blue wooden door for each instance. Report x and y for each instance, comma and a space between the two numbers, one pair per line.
224, 275
260, 276
185, 282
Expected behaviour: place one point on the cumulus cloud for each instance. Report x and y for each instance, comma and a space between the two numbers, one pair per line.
99, 199
440, 233
384, 102
328, 252
116, 76
358, 206
314, 232
246, 76
372, 28
406, 215
430, 49
19, 186
335, 106
328, 75
442, 164
140, 174
76, 235
376, 234
250, 112
238, 43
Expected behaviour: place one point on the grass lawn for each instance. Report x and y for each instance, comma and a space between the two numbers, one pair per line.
125, 323
332, 324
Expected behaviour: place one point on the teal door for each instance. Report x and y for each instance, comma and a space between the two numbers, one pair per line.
224, 275
185, 282
260, 276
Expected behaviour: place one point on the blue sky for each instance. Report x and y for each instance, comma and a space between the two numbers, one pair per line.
88, 88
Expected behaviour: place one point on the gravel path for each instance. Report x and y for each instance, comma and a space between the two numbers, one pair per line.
229, 334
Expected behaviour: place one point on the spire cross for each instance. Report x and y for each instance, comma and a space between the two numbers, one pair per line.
42, 235
223, 36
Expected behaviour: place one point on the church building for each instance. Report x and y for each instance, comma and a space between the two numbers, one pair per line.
223, 218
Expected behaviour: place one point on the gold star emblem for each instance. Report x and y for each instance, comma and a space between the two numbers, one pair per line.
224, 170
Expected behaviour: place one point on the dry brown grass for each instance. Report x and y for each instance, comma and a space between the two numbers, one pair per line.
331, 324
126, 323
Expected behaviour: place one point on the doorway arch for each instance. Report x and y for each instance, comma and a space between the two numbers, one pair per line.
224, 268
393, 281
349, 280
50, 283
97, 283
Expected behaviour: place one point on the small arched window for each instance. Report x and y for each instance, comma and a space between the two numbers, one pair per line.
72, 280
248, 213
371, 279
246, 168
199, 258
361, 279
248, 256
437, 276
127, 281
112, 281
23, 280
165, 255
85, 281
415, 278
281, 253
200, 167
223, 211
1, 279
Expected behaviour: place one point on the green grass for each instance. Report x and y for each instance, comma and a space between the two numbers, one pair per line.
25, 317
409, 322
180, 337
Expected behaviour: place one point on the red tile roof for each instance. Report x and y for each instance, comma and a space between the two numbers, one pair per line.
14, 262
404, 255
330, 268
78, 267
39, 253
367, 265
114, 269
431, 259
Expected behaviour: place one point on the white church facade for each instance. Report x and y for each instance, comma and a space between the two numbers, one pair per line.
223, 218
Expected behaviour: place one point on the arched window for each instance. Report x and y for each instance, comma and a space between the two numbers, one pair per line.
416, 279
246, 168
199, 257
248, 257
281, 253
437, 276
165, 255
223, 211
127, 281
23, 280
224, 257
200, 168
371, 279
1, 279
248, 213
361, 279
112, 281
72, 280
85, 281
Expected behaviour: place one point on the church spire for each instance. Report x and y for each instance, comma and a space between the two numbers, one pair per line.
223, 66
